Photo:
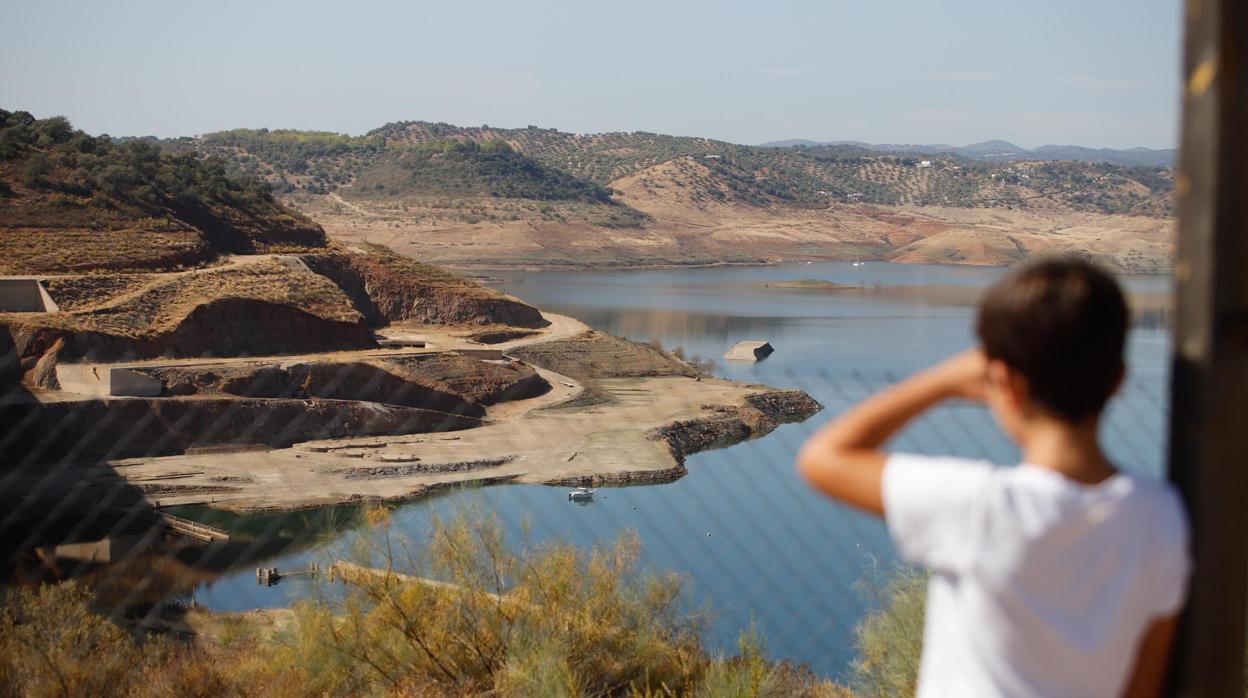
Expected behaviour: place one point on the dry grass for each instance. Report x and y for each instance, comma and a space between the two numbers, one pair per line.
87, 291
165, 301
155, 247
692, 219
889, 639
598, 355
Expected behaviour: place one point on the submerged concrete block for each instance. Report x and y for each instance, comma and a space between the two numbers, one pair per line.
749, 351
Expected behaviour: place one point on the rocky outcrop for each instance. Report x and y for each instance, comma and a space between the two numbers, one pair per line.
358, 381
387, 288
222, 327
43, 375
627, 477
784, 406
762, 413
732, 425
483, 382
373, 472
596, 354
88, 430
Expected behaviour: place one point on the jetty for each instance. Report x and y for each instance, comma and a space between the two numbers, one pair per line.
268, 576
191, 529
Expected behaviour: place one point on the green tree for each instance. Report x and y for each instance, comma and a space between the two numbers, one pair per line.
35, 168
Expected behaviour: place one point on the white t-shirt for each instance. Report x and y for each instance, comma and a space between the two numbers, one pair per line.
1040, 585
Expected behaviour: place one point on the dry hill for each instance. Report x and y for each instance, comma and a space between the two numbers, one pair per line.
485, 196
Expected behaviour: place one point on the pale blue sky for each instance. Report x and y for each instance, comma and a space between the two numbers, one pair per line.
1087, 72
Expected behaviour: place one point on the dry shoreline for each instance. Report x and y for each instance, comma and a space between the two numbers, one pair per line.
643, 436
651, 418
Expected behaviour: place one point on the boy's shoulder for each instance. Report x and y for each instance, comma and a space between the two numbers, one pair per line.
964, 481
1163, 502
938, 508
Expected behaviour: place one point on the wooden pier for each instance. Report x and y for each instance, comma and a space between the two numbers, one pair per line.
191, 529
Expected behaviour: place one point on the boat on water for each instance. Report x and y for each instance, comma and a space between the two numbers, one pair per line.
581, 494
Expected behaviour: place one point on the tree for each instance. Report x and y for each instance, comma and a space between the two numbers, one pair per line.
35, 168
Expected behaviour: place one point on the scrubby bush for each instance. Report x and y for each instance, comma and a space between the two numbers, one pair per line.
549, 620
52, 644
56, 156
889, 639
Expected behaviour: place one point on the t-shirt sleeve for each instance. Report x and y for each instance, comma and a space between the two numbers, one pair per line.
930, 506
1174, 566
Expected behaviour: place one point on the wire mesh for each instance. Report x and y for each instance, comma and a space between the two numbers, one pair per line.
755, 545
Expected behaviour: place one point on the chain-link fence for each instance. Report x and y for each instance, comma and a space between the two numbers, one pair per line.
755, 546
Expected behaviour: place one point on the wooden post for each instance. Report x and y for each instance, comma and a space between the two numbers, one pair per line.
1209, 393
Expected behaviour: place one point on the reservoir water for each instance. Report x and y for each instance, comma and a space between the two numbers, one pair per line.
754, 543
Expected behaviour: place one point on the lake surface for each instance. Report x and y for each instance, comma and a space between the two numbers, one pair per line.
756, 545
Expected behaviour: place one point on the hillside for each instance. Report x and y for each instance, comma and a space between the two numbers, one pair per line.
471, 169
533, 196
1005, 151
71, 201
423, 159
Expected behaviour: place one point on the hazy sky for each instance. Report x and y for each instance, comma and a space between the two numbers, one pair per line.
1088, 72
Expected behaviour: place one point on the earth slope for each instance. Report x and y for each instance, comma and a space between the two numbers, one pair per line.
676, 200
486, 196
73, 202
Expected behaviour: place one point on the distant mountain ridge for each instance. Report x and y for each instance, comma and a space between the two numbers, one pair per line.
482, 170
999, 150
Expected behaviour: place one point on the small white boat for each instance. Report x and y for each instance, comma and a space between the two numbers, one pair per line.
581, 494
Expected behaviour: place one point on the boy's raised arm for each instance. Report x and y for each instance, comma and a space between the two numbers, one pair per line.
844, 459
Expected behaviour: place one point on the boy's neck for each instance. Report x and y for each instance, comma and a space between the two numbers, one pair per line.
1070, 449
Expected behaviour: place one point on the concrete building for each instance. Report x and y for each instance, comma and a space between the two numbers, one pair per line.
105, 381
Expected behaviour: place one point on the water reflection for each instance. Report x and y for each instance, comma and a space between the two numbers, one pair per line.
140, 561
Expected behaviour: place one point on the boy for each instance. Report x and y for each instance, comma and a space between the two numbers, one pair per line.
1061, 576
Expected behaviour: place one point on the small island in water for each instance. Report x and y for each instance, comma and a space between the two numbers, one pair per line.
809, 285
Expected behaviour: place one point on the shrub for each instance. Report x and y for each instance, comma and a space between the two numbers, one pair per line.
34, 170
889, 639
51, 644
550, 620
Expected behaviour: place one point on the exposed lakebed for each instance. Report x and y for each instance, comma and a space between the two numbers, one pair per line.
756, 545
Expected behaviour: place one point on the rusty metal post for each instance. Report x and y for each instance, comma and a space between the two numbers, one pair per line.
1209, 393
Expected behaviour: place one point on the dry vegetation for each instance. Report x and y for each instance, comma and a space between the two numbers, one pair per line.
73, 202
136, 308
598, 355
549, 620
479, 381
677, 201
53, 249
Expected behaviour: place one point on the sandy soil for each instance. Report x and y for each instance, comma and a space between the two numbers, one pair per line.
684, 230
527, 445
437, 339
531, 440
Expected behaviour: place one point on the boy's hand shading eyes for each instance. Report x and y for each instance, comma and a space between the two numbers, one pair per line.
963, 375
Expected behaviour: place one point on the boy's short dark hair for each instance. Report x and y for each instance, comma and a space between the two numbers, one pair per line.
1062, 324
